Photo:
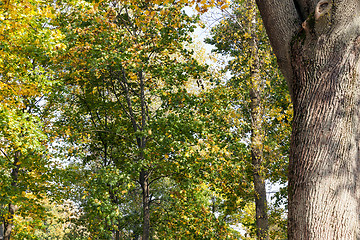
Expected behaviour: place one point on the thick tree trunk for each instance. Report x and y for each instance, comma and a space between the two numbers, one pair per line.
325, 143
144, 181
324, 59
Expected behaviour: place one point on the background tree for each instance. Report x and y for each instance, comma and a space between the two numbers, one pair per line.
260, 100
128, 115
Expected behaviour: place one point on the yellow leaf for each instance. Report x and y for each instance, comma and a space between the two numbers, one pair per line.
224, 6
197, 8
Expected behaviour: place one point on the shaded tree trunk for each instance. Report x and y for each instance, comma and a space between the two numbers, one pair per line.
318, 47
262, 223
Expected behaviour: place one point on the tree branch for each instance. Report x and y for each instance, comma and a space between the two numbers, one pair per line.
5, 154
282, 22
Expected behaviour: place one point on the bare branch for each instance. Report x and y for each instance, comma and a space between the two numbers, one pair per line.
5, 154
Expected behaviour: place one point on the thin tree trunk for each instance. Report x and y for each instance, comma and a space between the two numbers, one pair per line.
257, 161
144, 174
262, 223
8, 223
144, 181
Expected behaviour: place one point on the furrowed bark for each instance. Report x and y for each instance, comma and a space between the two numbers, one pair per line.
305, 8
323, 171
324, 157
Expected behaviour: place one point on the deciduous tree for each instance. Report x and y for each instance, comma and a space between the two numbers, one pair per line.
259, 98
128, 110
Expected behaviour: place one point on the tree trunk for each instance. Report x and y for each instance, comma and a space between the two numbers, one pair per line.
262, 223
324, 60
8, 223
117, 235
325, 143
144, 182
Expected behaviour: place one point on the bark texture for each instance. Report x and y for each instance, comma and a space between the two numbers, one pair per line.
324, 62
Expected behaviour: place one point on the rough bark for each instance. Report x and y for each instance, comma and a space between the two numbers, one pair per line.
262, 223
324, 81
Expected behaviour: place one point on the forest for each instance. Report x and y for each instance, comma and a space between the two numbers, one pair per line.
116, 122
